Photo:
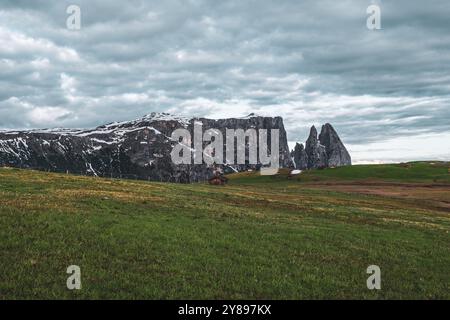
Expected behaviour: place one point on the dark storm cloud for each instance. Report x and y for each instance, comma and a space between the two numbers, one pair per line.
308, 61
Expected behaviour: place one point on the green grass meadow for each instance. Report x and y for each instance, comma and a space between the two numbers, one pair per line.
259, 237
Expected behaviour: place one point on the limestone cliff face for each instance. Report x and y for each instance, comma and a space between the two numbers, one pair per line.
138, 149
325, 150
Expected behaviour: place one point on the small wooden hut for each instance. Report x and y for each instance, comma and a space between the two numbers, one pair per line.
218, 180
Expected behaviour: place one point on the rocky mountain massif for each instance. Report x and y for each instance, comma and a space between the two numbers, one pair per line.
323, 151
140, 149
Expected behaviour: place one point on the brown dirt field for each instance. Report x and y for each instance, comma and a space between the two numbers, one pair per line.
434, 195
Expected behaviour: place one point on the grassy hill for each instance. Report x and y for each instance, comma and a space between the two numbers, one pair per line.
309, 236
424, 172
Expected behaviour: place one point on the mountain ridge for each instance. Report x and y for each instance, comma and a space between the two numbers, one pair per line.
141, 148
137, 148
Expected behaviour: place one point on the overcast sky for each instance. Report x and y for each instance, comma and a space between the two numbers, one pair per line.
387, 92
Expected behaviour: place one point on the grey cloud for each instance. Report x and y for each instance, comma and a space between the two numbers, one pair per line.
309, 61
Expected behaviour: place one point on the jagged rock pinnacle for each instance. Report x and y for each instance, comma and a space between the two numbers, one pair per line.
325, 150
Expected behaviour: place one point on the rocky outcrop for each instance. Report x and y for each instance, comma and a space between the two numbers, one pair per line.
138, 149
317, 156
299, 157
323, 151
337, 154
